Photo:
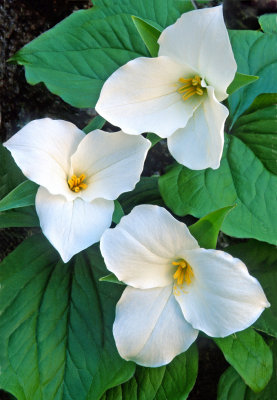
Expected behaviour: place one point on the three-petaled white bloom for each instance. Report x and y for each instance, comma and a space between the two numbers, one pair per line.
177, 94
80, 176
175, 287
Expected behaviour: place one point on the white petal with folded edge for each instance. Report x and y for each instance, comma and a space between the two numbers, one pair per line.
140, 250
112, 163
200, 39
42, 150
200, 144
72, 226
222, 298
142, 97
149, 327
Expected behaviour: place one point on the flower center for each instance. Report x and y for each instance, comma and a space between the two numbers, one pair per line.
76, 184
190, 87
183, 273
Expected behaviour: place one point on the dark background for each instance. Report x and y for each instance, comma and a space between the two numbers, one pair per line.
23, 20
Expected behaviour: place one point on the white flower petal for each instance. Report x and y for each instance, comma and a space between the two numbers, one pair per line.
140, 250
200, 39
72, 226
142, 97
112, 163
222, 298
200, 144
149, 327
42, 150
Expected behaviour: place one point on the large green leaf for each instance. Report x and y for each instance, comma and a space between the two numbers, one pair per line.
257, 128
171, 382
232, 387
248, 353
76, 57
56, 325
161, 12
241, 179
255, 54
261, 260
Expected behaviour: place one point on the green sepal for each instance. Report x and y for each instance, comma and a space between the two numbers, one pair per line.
268, 23
111, 278
96, 123
118, 212
22, 196
206, 229
240, 81
149, 35
154, 139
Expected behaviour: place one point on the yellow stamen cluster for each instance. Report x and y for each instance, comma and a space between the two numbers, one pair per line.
76, 184
191, 87
183, 273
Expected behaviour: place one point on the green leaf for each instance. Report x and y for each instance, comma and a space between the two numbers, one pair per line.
261, 260
91, 45
146, 191
257, 128
251, 357
171, 382
118, 212
270, 392
23, 217
23, 195
154, 139
240, 81
96, 123
255, 54
56, 325
111, 278
268, 23
10, 175
206, 229
241, 179
231, 386
149, 35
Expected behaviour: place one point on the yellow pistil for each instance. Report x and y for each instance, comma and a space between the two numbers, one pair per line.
76, 184
183, 273
191, 87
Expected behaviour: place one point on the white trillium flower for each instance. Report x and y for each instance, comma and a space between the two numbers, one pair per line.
175, 288
79, 176
177, 94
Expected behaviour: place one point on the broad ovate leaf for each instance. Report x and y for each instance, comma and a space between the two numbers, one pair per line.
56, 325
251, 357
171, 382
92, 45
245, 177
255, 54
